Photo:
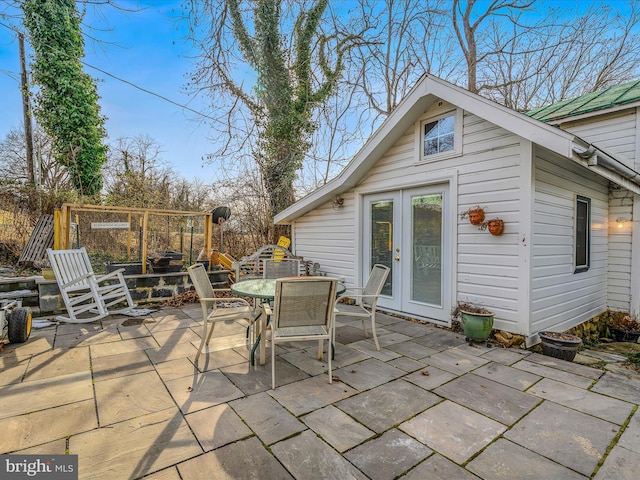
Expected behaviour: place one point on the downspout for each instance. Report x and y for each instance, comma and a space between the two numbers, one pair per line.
597, 157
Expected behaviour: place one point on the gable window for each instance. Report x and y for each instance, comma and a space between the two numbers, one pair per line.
583, 234
439, 135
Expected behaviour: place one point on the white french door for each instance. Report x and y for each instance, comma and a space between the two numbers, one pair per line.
407, 230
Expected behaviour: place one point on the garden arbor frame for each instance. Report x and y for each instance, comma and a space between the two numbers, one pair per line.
62, 223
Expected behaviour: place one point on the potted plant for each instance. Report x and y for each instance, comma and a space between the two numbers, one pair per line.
625, 329
474, 214
476, 321
495, 226
560, 345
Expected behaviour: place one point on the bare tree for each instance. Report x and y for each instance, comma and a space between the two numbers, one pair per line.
289, 67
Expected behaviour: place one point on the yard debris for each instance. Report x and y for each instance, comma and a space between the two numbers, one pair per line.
425, 373
185, 298
508, 339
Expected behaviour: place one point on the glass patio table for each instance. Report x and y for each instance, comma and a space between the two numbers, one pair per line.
262, 290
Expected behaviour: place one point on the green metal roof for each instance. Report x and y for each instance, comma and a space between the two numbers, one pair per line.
609, 97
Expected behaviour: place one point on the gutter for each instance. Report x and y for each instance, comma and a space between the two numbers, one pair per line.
598, 157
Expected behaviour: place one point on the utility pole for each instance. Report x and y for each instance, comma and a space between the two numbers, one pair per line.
26, 110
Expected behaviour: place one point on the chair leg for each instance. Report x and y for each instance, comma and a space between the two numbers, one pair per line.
373, 329
329, 354
273, 365
210, 332
364, 327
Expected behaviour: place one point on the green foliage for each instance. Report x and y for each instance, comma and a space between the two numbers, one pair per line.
285, 96
66, 104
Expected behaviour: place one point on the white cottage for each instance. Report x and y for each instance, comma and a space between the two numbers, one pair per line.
566, 190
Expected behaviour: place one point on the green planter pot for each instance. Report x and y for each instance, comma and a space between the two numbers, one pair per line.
476, 326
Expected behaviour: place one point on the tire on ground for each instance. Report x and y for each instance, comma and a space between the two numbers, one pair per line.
19, 325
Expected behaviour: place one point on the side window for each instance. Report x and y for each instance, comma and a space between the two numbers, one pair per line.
439, 135
583, 234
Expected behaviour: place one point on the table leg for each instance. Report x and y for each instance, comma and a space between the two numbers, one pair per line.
263, 337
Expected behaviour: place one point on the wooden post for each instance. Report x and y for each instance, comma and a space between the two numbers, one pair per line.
145, 223
208, 233
57, 227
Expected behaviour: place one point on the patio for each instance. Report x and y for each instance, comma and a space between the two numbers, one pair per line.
124, 395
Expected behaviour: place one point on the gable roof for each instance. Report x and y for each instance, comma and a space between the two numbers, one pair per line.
427, 91
618, 96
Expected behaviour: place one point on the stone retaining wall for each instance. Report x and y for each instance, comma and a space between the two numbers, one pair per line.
46, 298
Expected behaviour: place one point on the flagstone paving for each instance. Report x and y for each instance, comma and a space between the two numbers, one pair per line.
128, 398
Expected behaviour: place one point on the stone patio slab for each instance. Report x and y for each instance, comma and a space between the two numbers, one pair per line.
495, 400
388, 456
620, 387
387, 405
568, 437
220, 359
122, 398
171, 352
601, 406
571, 367
58, 362
453, 431
114, 366
412, 350
407, 364
178, 368
179, 335
124, 346
512, 377
436, 467
44, 426
506, 460
429, 377
308, 457
554, 373
134, 448
13, 374
368, 374
217, 426
630, 439
507, 356
254, 379
336, 428
267, 418
621, 464
392, 338
456, 361
245, 459
310, 394
28, 397
202, 390
306, 360
170, 473
407, 327
368, 347
441, 339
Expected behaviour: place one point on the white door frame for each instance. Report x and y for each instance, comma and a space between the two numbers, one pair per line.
449, 177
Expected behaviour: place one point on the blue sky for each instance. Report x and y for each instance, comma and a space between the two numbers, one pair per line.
145, 48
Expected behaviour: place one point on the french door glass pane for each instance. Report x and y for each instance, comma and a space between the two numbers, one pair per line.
382, 239
426, 275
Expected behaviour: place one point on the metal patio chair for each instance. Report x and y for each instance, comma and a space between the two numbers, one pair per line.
366, 299
215, 309
303, 309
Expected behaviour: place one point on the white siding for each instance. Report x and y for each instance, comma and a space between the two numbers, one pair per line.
561, 298
487, 266
614, 133
619, 273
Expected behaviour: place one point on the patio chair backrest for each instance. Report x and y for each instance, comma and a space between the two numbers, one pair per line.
375, 283
280, 267
201, 281
304, 302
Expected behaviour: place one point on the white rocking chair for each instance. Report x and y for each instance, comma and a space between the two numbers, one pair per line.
84, 291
